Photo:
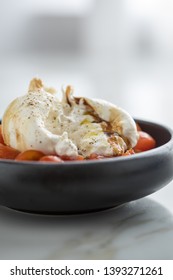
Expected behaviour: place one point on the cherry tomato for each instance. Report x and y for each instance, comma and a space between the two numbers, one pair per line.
50, 158
145, 142
67, 158
30, 155
8, 152
79, 157
1, 137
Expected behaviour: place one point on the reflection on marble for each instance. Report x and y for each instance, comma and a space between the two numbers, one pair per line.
139, 230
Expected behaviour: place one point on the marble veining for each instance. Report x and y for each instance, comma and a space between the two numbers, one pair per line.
138, 230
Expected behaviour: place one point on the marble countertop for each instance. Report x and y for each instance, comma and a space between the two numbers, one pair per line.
138, 230
142, 229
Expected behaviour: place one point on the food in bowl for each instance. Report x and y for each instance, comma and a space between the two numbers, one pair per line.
40, 127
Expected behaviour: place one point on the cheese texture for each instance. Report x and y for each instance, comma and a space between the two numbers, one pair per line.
39, 120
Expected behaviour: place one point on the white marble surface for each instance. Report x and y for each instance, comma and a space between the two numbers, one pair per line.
138, 230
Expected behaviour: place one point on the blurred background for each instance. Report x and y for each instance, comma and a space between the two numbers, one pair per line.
119, 50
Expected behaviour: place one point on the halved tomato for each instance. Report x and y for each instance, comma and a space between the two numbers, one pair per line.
8, 152
145, 142
51, 158
30, 155
67, 158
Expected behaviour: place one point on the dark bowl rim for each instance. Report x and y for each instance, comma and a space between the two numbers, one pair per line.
105, 160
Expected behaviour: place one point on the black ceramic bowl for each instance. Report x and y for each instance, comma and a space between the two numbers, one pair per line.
76, 187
